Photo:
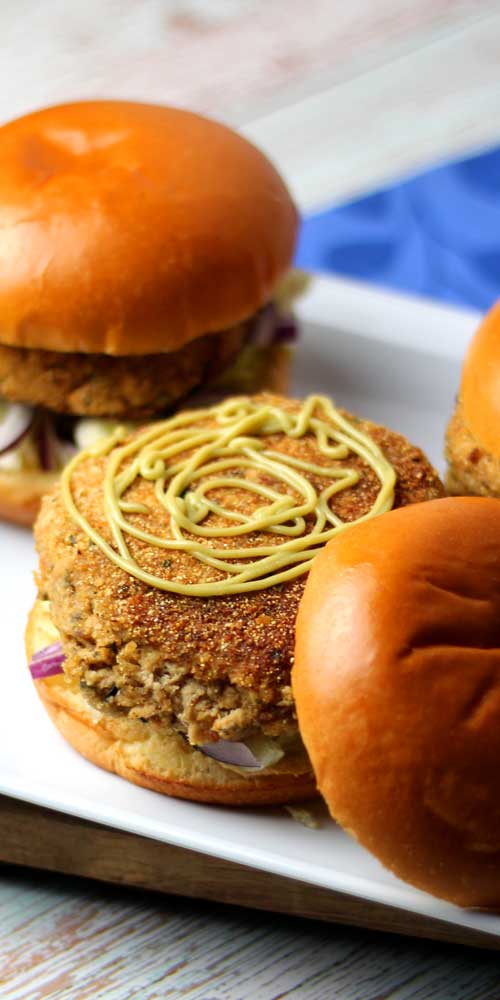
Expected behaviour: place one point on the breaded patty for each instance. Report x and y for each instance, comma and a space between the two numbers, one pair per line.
472, 470
211, 667
99, 385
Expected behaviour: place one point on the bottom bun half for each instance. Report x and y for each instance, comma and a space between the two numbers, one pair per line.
21, 494
152, 756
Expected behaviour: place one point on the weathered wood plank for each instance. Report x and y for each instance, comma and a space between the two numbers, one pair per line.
50, 840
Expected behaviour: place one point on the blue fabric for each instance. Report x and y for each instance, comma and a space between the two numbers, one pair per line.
436, 234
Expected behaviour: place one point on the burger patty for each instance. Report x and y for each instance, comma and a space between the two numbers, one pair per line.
127, 387
211, 667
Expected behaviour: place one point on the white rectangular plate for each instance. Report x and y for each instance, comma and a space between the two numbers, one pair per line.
390, 358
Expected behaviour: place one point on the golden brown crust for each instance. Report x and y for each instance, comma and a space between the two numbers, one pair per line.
132, 228
21, 494
156, 758
472, 469
220, 666
397, 686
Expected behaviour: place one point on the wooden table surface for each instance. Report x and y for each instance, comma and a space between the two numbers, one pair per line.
343, 96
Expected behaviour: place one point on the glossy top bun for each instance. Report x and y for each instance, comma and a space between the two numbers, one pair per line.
480, 388
397, 686
133, 228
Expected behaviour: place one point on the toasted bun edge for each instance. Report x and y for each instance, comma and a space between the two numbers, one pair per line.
159, 760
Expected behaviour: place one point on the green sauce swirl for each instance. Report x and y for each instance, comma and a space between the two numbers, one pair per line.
229, 436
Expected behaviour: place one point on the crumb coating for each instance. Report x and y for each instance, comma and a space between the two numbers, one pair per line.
127, 388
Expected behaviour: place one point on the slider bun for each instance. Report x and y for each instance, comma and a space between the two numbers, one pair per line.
397, 687
155, 758
480, 387
21, 494
132, 228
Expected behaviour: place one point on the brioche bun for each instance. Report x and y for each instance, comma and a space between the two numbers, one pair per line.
479, 390
133, 229
154, 757
397, 688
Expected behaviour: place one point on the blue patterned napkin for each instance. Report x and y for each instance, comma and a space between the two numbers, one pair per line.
436, 234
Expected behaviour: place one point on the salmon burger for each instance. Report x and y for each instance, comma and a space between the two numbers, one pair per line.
172, 563
145, 255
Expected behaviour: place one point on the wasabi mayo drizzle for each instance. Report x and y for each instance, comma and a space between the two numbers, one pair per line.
232, 436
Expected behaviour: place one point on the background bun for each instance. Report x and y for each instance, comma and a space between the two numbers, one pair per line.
156, 758
397, 686
480, 387
133, 228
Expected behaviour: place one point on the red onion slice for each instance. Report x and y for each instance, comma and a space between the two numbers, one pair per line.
47, 662
14, 425
270, 326
227, 752
285, 331
47, 443
54, 650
